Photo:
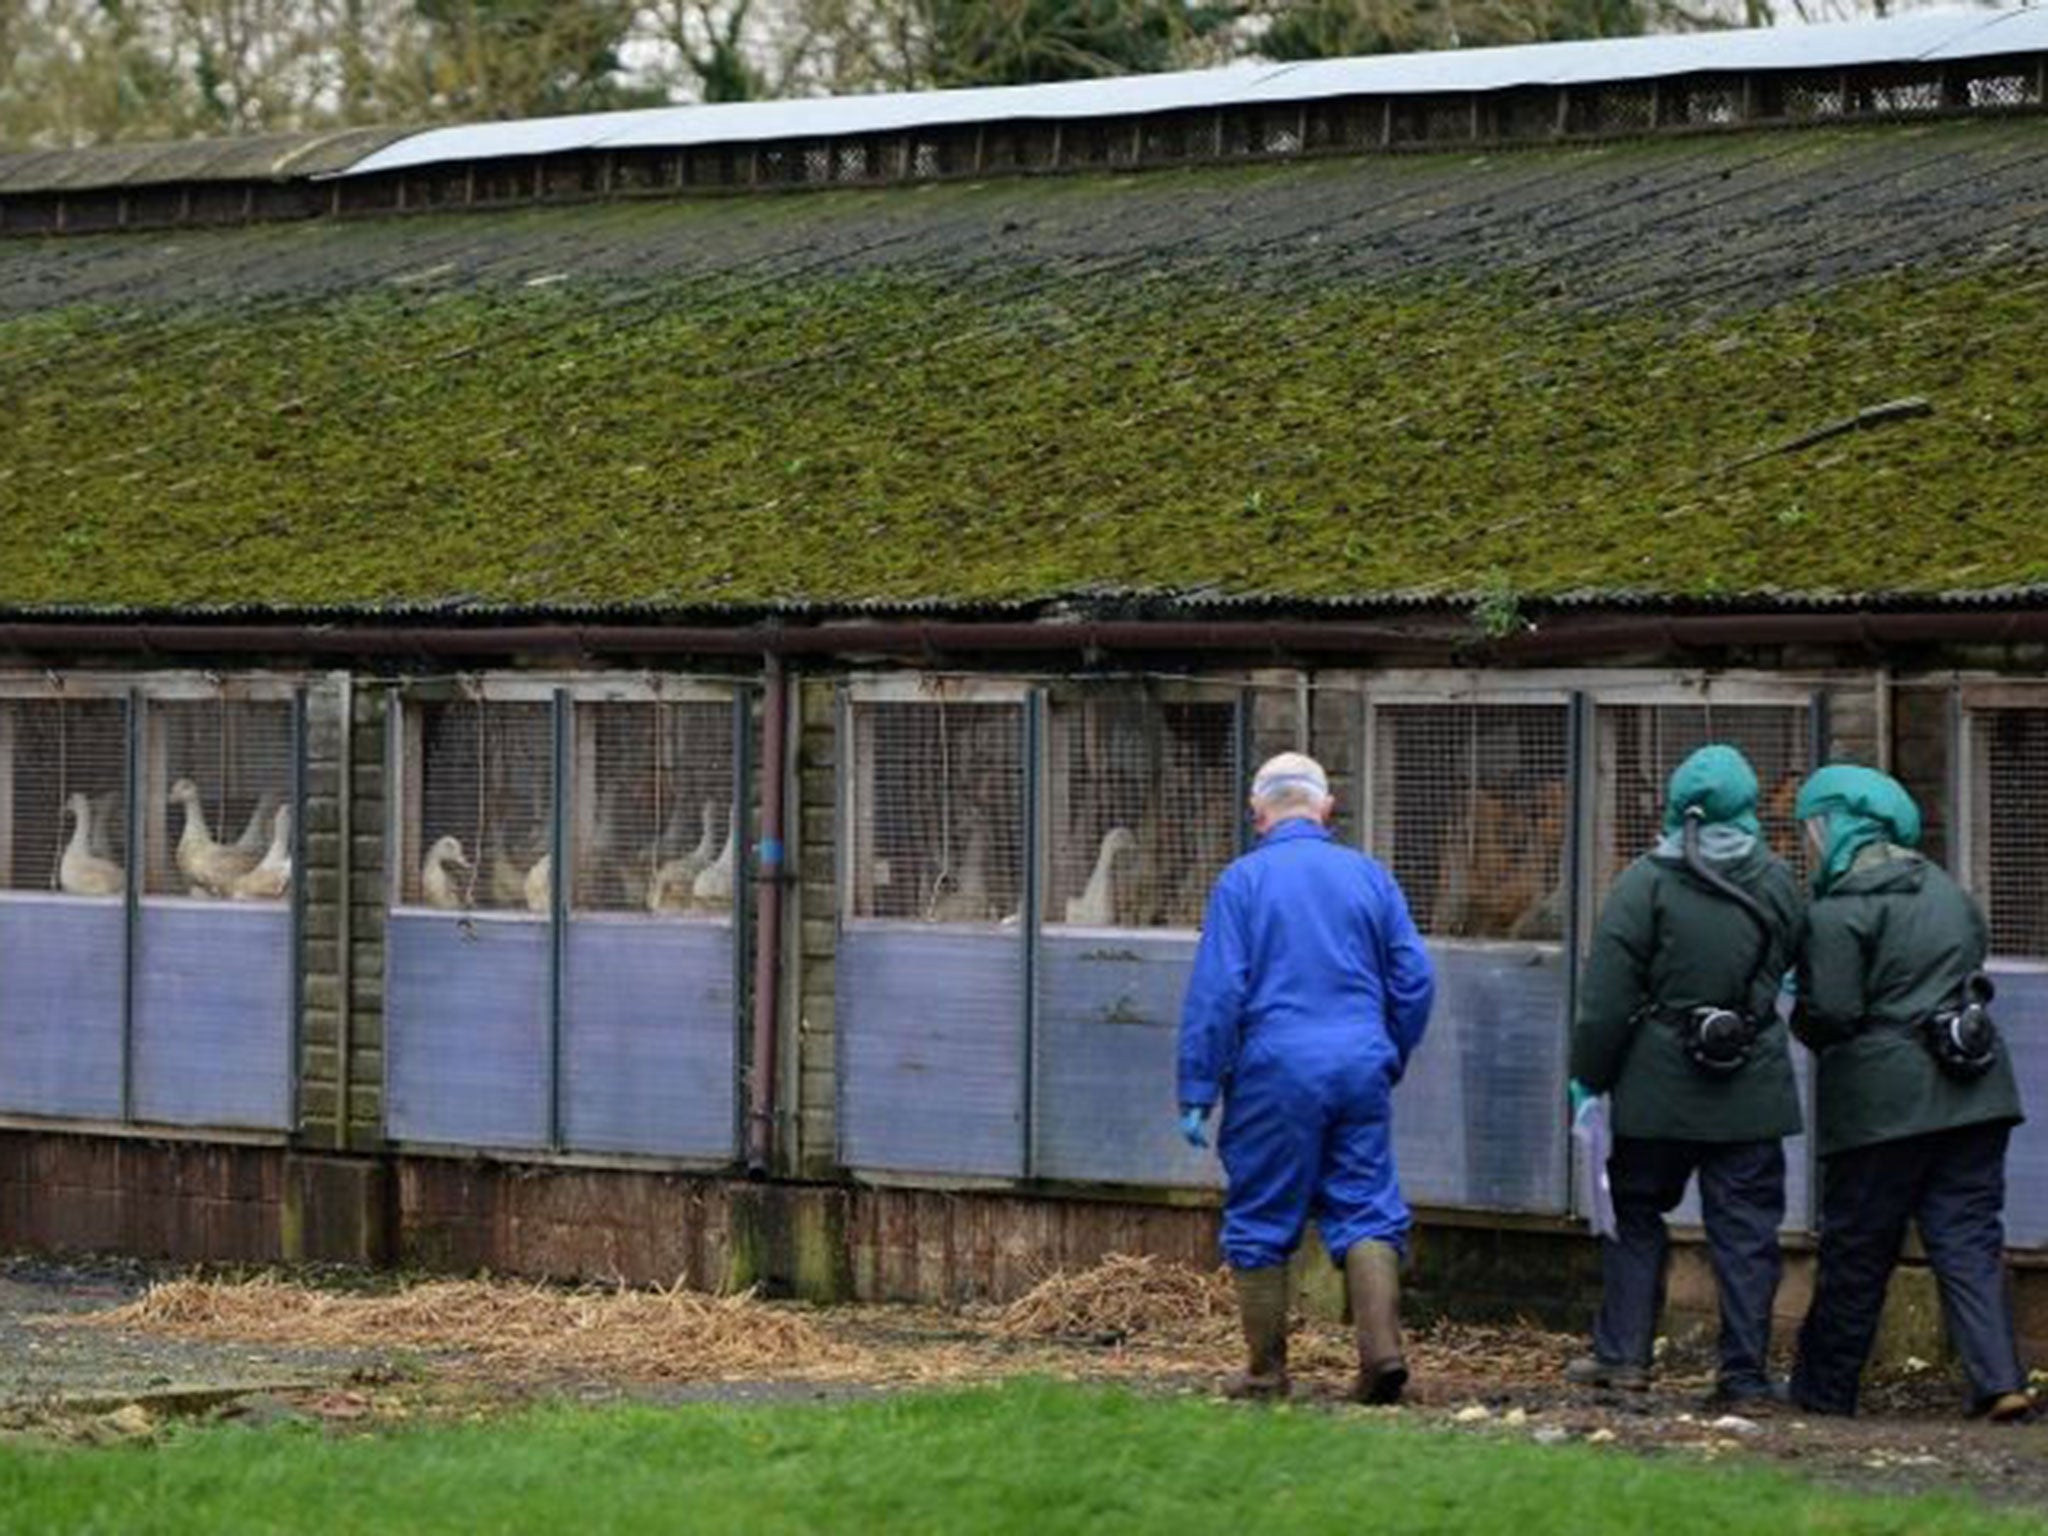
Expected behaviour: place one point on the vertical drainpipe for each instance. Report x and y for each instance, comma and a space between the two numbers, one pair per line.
138, 865
768, 917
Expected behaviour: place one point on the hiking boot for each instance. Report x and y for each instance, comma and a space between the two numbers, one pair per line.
1372, 1276
1750, 1401
1262, 1302
2009, 1408
1591, 1371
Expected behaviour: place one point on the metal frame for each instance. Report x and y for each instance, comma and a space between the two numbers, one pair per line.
136, 691
562, 693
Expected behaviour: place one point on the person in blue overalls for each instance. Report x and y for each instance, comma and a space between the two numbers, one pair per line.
1311, 989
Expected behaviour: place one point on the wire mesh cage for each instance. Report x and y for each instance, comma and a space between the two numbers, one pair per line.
1142, 808
216, 798
478, 806
1469, 812
63, 806
2009, 798
936, 811
1641, 745
652, 825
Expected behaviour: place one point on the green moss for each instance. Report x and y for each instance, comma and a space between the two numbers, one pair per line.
858, 433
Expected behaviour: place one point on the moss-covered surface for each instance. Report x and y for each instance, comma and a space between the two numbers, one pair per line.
1421, 379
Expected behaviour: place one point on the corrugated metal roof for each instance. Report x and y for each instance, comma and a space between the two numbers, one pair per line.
265, 157
1925, 36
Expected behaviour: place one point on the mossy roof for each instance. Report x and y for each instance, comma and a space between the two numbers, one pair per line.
1579, 373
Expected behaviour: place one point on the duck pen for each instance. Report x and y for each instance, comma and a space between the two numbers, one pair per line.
563, 959
149, 969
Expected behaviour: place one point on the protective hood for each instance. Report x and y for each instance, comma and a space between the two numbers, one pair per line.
1860, 806
1718, 780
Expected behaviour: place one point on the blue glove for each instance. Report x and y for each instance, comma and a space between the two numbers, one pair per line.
1580, 1093
1192, 1119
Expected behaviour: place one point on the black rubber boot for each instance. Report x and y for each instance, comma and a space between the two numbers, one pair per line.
1372, 1274
1262, 1302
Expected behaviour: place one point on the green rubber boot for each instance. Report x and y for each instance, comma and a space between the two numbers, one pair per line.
1372, 1275
1262, 1301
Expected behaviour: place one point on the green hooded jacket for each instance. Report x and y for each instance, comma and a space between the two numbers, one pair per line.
1667, 936
1891, 939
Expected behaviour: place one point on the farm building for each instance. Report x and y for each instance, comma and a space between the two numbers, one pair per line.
658, 694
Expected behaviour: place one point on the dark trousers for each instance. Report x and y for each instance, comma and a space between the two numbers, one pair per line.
1951, 1184
1742, 1197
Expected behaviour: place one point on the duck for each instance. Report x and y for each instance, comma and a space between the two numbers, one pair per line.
272, 876
675, 881
81, 871
506, 880
437, 886
538, 889
1095, 906
712, 891
256, 831
963, 898
101, 839
209, 868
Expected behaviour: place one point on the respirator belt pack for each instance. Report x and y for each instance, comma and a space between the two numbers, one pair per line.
1962, 1040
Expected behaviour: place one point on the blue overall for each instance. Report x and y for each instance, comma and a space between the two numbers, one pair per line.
1311, 988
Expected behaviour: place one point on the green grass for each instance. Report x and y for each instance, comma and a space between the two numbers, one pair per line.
1025, 1457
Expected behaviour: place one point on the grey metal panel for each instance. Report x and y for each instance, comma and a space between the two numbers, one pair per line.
466, 1029
648, 1038
2021, 1009
1108, 1036
213, 1014
60, 1006
1948, 34
931, 1027
1479, 1119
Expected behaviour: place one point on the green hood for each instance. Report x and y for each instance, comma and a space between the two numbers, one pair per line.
1861, 806
1719, 780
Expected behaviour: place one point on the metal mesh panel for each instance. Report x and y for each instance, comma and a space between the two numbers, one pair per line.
652, 824
63, 810
1624, 108
937, 832
217, 782
478, 802
1336, 729
1142, 809
1812, 97
931, 1005
1641, 744
1468, 812
2013, 88
1526, 113
2010, 825
853, 161
63, 851
1901, 96
1704, 102
1920, 761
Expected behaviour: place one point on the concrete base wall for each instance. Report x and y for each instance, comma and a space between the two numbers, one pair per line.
199, 1203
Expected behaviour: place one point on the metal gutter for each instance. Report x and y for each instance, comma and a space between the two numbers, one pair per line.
1556, 638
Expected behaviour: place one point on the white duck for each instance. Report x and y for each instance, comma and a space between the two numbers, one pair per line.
538, 891
964, 896
272, 877
506, 880
438, 887
1095, 907
256, 832
81, 871
210, 868
676, 879
712, 891
101, 839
